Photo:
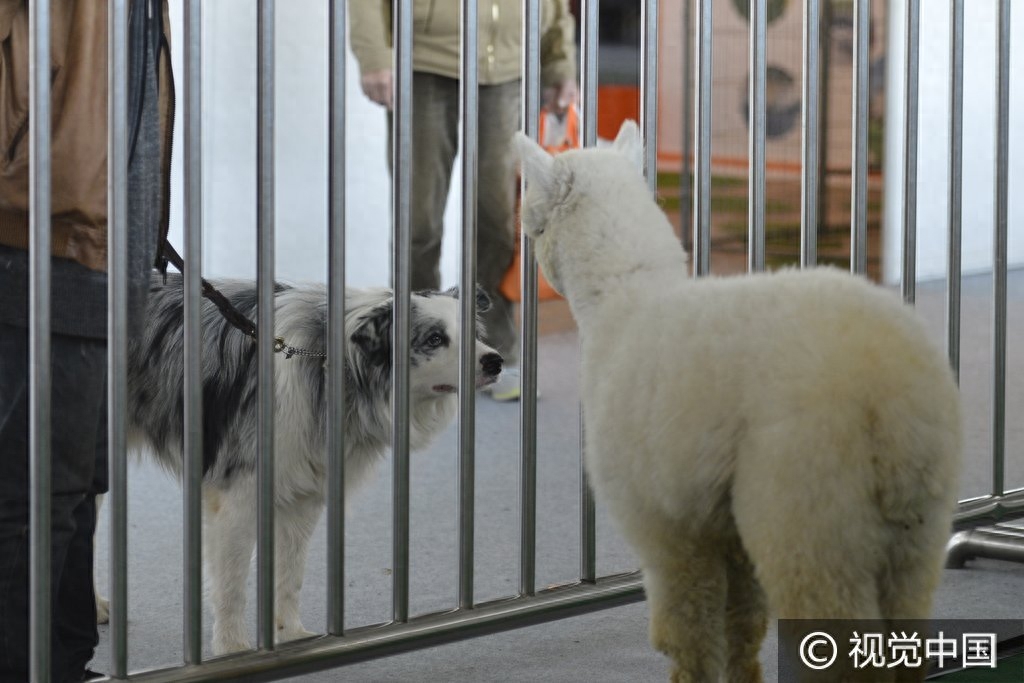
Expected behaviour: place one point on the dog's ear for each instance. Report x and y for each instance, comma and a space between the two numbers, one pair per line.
483, 302
629, 144
372, 335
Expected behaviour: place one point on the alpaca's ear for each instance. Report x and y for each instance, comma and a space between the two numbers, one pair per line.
628, 143
536, 161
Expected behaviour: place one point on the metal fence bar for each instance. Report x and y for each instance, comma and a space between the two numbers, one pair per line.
528, 322
956, 155
589, 27
997, 543
422, 632
470, 132
989, 509
758, 75
811, 138
861, 100
401, 194
686, 172
703, 38
910, 120
39, 340
265, 316
192, 634
649, 89
336, 320
999, 265
589, 81
117, 330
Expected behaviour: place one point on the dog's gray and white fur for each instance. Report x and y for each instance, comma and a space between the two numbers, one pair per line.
155, 388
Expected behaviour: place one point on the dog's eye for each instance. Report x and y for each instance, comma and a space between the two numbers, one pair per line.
436, 339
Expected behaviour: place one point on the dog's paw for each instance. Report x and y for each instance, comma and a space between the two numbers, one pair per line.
226, 644
102, 610
288, 633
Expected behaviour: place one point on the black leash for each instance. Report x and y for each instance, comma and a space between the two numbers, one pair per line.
232, 314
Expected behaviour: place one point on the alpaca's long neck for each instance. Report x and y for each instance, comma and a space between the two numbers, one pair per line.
625, 252
589, 296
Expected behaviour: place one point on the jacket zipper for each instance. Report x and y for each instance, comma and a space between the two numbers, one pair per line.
22, 131
12, 149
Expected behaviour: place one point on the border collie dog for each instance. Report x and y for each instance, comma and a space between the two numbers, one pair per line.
229, 423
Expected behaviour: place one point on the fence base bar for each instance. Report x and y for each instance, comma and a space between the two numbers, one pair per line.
995, 543
989, 510
371, 642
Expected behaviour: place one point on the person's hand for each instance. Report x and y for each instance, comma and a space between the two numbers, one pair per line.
559, 98
377, 86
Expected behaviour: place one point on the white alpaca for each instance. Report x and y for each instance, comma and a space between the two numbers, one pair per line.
786, 443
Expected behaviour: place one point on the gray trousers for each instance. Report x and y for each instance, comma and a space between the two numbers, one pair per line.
434, 145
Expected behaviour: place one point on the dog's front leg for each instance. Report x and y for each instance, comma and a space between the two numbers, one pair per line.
228, 546
102, 604
293, 525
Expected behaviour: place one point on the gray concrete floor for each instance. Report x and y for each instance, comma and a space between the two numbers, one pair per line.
606, 646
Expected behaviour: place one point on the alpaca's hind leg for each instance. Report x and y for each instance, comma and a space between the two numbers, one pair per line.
816, 554
915, 559
808, 520
805, 587
687, 595
294, 525
228, 542
915, 570
745, 618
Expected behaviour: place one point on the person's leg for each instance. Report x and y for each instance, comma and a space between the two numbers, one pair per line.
75, 611
78, 436
14, 626
78, 373
75, 608
434, 143
499, 120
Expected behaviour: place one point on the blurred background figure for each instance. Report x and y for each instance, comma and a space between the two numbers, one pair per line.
435, 93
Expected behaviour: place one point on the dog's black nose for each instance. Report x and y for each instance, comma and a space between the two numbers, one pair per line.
491, 363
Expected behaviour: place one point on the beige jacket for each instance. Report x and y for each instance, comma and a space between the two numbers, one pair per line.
436, 38
78, 66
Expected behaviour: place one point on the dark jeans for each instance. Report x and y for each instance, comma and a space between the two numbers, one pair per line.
79, 472
435, 124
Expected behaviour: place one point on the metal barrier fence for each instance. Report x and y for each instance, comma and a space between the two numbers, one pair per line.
468, 618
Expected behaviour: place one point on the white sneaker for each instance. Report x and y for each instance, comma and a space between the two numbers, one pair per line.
507, 387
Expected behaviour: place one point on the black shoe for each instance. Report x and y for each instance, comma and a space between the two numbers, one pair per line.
90, 675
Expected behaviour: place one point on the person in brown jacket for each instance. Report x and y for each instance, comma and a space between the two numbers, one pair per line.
79, 297
435, 95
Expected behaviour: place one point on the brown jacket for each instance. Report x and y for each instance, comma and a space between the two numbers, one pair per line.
436, 43
79, 127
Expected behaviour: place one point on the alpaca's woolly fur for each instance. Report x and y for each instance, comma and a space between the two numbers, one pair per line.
228, 370
786, 443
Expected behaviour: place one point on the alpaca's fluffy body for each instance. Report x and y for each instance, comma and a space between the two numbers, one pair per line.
784, 442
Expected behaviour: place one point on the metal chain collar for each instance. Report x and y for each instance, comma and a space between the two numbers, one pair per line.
281, 347
232, 314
